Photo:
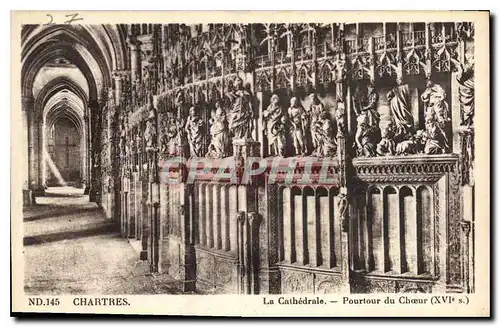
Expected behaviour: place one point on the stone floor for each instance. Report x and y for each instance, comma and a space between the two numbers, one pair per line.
71, 248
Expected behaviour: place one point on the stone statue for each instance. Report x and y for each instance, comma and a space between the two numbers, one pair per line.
341, 119
434, 99
195, 133
241, 115
466, 94
171, 135
399, 103
297, 116
343, 206
315, 110
387, 146
123, 140
179, 102
219, 144
123, 137
435, 139
164, 140
326, 143
275, 127
367, 130
150, 134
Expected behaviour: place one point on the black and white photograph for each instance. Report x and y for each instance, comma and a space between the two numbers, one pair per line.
301, 159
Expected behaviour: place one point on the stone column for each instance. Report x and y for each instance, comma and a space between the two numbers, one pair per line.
135, 66
115, 159
344, 166
95, 190
88, 158
135, 58
41, 159
188, 258
151, 224
35, 154
27, 111
32, 139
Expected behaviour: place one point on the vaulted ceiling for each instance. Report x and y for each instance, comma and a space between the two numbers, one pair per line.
64, 67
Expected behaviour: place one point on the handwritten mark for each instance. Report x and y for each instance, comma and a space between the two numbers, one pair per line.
51, 19
73, 18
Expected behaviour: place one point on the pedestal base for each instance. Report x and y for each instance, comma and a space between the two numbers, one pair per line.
28, 198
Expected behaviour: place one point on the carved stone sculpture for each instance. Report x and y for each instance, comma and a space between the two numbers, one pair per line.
275, 127
343, 206
435, 139
399, 102
326, 143
181, 139
241, 115
434, 99
195, 133
314, 111
387, 146
297, 116
367, 131
341, 118
166, 135
466, 94
123, 140
410, 146
150, 134
219, 133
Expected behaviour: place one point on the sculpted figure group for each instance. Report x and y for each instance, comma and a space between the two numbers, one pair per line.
299, 131
399, 136
310, 130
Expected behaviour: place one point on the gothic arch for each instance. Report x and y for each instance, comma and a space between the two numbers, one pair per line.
91, 72
55, 86
95, 50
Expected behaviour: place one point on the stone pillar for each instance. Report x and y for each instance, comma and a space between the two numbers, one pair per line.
188, 260
135, 58
344, 166
88, 158
41, 159
114, 141
135, 66
95, 190
118, 87
248, 218
27, 111
35, 154
152, 222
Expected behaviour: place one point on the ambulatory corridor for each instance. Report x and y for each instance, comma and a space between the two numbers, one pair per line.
70, 247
